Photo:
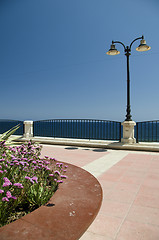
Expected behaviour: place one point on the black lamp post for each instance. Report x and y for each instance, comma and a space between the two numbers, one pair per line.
113, 51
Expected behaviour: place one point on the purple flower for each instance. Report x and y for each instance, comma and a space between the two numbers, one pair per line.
1, 171
8, 194
59, 164
31, 180
11, 164
57, 172
34, 162
14, 197
63, 176
5, 199
1, 191
35, 179
15, 161
39, 161
51, 175
59, 181
28, 178
46, 162
7, 182
19, 185
22, 163
47, 168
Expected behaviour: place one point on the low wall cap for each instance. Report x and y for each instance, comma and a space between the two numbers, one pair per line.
28, 122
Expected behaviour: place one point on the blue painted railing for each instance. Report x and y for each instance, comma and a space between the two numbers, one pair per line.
78, 128
147, 131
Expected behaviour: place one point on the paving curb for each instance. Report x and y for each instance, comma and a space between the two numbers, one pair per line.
151, 147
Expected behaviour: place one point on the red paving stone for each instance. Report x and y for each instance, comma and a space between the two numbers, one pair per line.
149, 190
105, 225
130, 208
114, 209
147, 200
138, 231
73, 155
144, 215
123, 196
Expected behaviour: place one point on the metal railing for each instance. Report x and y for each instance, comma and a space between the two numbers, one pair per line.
147, 131
78, 128
7, 124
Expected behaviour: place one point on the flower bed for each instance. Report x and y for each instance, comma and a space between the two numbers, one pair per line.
66, 216
26, 180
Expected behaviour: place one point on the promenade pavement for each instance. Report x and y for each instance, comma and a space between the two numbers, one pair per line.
130, 183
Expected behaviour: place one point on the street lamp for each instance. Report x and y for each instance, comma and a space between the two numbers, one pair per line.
113, 51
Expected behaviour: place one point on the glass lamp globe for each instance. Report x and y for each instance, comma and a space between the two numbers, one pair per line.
143, 46
113, 51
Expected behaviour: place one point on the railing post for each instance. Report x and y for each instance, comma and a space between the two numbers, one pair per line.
28, 129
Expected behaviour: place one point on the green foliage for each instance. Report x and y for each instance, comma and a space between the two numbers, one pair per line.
5, 136
26, 180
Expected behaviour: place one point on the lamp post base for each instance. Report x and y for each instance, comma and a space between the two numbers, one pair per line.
128, 132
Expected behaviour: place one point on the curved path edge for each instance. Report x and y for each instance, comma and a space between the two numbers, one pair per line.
67, 215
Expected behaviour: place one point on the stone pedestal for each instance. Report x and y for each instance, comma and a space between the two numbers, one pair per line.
128, 132
28, 129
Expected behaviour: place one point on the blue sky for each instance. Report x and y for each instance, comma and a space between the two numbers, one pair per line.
53, 61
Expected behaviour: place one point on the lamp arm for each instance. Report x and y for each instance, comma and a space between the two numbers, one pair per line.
136, 40
120, 43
